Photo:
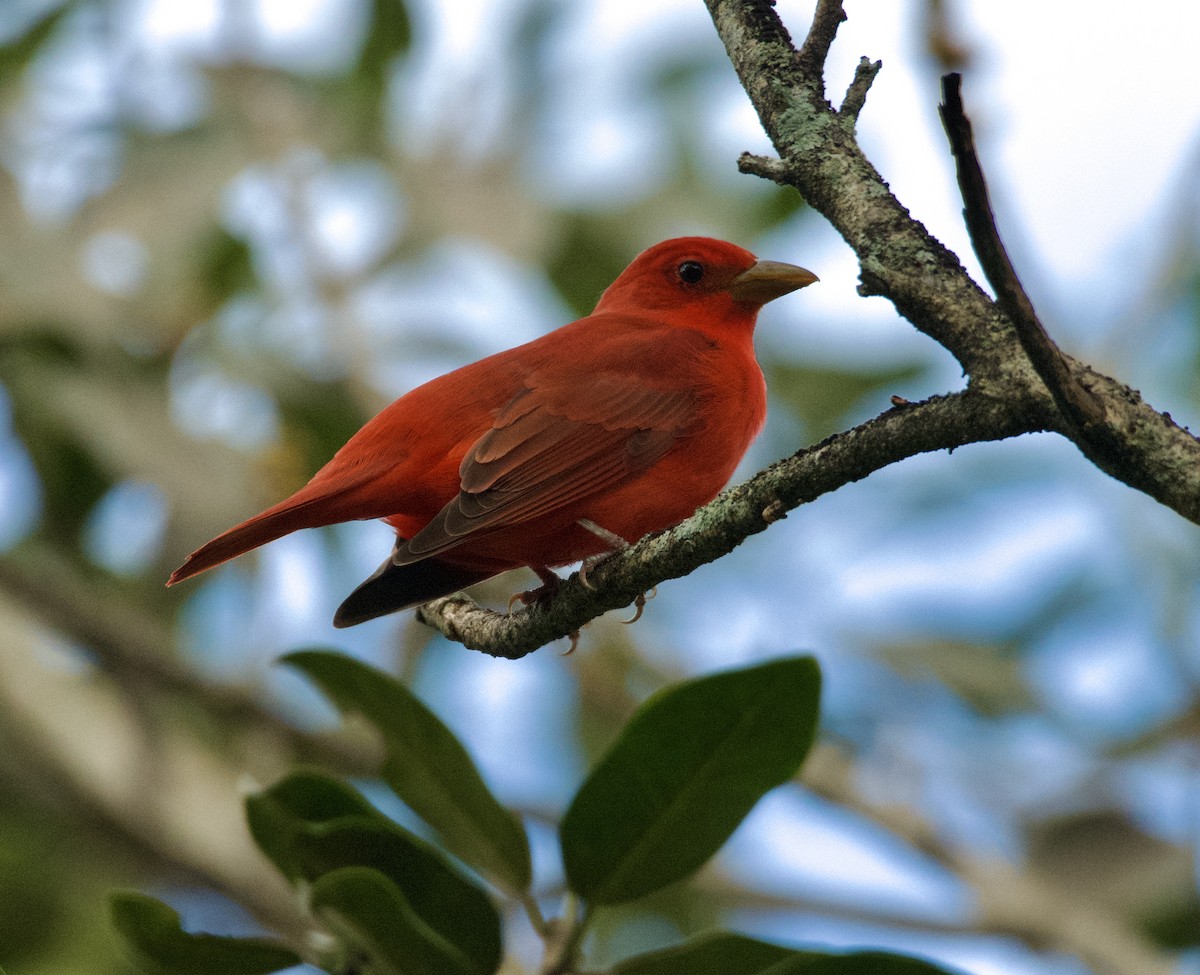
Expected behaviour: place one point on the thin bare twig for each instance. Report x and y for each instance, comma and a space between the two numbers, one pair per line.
1077, 403
900, 260
860, 84
1088, 415
827, 18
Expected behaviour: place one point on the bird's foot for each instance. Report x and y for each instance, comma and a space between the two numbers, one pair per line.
543, 593
551, 583
615, 544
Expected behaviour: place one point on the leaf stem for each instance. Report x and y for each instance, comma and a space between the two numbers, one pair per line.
563, 936
536, 917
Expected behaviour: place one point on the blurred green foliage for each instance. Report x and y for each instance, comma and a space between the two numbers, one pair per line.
19, 53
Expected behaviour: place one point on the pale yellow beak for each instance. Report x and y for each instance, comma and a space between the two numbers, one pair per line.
767, 280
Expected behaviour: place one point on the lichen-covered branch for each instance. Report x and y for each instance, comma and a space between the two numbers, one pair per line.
719, 527
819, 155
1007, 393
1106, 420
821, 158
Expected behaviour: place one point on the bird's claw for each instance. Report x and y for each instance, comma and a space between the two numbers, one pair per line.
587, 566
550, 585
574, 637
639, 605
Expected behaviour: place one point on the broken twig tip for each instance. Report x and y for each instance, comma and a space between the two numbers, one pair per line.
765, 167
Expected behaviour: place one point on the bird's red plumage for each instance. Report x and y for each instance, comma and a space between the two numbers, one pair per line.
630, 418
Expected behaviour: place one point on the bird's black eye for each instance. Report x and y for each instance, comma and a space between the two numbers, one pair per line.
691, 272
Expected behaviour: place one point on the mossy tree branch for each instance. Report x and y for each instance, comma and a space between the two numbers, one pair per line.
940, 423
899, 259
1018, 380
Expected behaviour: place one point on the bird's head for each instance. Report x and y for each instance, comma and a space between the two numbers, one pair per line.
692, 273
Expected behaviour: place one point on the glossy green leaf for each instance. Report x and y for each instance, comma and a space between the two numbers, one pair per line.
855, 963
427, 767
310, 825
152, 930
295, 808
725, 953
719, 953
684, 773
369, 914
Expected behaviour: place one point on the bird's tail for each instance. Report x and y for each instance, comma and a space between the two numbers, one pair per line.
392, 588
313, 505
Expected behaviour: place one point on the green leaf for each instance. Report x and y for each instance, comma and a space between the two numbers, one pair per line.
585, 261
719, 953
369, 914
724, 953
225, 263
855, 963
822, 396
152, 930
683, 774
390, 36
286, 817
427, 767
310, 825
17, 55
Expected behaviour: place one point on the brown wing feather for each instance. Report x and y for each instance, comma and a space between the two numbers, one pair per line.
527, 440
551, 446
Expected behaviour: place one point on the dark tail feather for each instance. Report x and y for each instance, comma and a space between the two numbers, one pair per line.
392, 588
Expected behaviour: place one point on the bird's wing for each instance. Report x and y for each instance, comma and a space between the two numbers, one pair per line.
559, 440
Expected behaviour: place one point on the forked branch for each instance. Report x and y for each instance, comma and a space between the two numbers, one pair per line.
1019, 380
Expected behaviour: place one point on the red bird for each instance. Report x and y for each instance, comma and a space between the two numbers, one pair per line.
614, 426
